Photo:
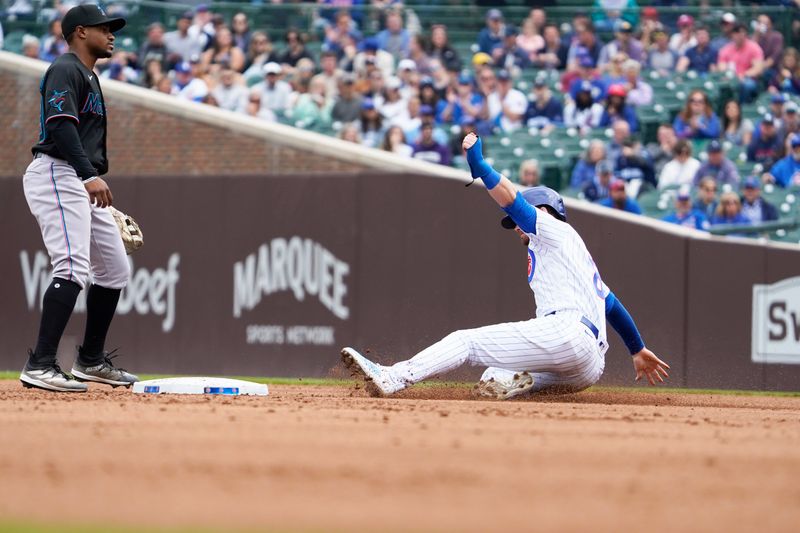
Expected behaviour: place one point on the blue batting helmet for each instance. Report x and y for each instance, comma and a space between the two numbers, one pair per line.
537, 196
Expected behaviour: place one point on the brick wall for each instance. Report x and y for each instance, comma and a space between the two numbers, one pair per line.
144, 142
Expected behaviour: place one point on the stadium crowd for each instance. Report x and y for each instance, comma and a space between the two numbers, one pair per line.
408, 91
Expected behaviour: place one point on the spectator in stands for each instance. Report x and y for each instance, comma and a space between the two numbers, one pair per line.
342, 32
529, 173
736, 129
371, 54
240, 28
717, 166
544, 110
395, 39
154, 47
274, 91
754, 207
634, 167
706, 201
119, 68
427, 115
640, 93
745, 58
375, 88
229, 93
553, 54
427, 149
771, 43
661, 152
584, 73
508, 55
586, 43
186, 85
329, 74
618, 199
649, 24
184, 45
598, 188
729, 210
613, 70
514, 103
164, 85
31, 46
791, 124
529, 39
347, 106
682, 169
727, 24
350, 134
608, 13
394, 140
371, 124
685, 38
787, 75
487, 88
617, 108
295, 49
54, 45
583, 112
461, 102
684, 214
661, 57
620, 134
259, 54
439, 48
697, 120
786, 172
767, 146
314, 107
202, 23
624, 42
700, 58
223, 50
583, 173
492, 34
417, 53
410, 120
393, 104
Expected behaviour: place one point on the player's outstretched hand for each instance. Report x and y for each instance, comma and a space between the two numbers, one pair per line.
99, 193
469, 141
647, 364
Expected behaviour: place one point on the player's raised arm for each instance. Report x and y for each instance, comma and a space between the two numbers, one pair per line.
499, 187
645, 362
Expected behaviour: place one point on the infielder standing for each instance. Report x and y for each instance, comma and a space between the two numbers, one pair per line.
563, 348
69, 200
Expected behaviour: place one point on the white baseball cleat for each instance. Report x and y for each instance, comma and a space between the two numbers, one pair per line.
503, 384
378, 380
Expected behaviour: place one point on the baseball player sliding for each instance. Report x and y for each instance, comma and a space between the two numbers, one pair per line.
563, 348
69, 200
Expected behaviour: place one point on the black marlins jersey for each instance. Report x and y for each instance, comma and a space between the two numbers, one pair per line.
70, 91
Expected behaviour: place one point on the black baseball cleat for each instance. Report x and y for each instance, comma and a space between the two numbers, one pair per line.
105, 372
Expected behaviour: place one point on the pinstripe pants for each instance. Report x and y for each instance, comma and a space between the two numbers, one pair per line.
560, 352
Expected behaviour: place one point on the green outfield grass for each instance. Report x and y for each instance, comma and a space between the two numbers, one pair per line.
434, 383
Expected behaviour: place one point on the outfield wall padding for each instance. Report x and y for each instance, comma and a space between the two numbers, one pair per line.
271, 275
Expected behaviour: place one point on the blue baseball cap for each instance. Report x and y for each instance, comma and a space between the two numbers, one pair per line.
778, 98
465, 78
370, 44
795, 140
367, 104
586, 61
183, 67
714, 146
752, 183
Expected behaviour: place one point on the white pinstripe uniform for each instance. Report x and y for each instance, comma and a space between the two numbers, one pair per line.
558, 347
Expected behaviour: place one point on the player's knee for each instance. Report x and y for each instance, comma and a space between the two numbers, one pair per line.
116, 277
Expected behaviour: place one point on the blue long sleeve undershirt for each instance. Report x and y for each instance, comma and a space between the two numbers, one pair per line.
623, 324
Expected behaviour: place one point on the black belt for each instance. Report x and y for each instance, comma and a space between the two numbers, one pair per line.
37, 155
586, 322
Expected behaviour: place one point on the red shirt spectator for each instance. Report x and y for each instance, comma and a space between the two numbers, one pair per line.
743, 53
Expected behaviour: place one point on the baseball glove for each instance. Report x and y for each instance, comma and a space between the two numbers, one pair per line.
131, 233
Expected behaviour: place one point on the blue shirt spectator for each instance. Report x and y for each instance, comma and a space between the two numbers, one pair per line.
786, 172
618, 199
701, 58
697, 120
729, 210
718, 167
599, 188
685, 215
766, 147
584, 171
617, 109
545, 108
754, 207
492, 34
394, 39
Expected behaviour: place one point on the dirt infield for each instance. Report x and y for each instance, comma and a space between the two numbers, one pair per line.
328, 458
